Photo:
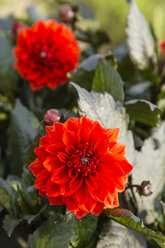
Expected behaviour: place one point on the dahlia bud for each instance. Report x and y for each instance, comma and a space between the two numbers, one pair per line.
162, 45
145, 188
66, 13
51, 116
17, 28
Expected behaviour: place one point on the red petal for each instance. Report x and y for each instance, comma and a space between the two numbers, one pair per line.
79, 213
44, 141
101, 147
41, 180
52, 189
91, 180
48, 128
98, 208
60, 178
112, 201
101, 193
118, 148
65, 190
114, 166
89, 205
55, 148
72, 124
42, 193
98, 138
55, 201
70, 138
83, 198
69, 202
63, 157
51, 163
75, 183
120, 183
41, 153
36, 167
54, 137
85, 129
112, 134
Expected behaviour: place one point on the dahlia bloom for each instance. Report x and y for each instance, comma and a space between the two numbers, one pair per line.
81, 164
45, 53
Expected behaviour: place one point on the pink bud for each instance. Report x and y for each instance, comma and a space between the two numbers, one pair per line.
66, 13
51, 116
17, 28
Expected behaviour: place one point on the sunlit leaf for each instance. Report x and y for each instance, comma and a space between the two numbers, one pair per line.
129, 220
102, 107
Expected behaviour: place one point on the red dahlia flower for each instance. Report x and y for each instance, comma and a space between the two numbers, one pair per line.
81, 164
45, 53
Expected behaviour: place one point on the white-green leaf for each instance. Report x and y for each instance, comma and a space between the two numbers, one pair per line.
115, 235
102, 107
150, 165
140, 40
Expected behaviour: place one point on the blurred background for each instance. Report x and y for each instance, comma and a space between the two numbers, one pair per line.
111, 14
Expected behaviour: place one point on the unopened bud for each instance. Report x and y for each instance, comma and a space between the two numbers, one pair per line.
66, 13
162, 45
16, 29
145, 188
51, 116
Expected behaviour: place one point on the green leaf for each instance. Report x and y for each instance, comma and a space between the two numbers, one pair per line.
6, 54
97, 37
22, 130
140, 90
56, 231
8, 197
106, 78
129, 220
24, 203
32, 217
143, 111
10, 223
84, 230
84, 74
27, 178
30, 155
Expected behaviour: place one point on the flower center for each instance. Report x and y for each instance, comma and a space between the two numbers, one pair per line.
42, 54
82, 161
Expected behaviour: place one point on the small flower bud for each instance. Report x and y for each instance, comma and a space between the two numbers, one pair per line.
66, 13
17, 28
162, 45
145, 188
51, 116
